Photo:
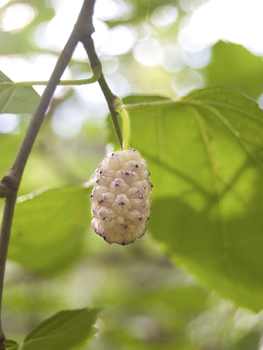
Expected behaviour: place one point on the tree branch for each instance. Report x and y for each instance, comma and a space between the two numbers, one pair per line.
11, 181
4, 242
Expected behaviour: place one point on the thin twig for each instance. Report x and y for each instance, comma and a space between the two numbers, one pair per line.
95, 77
110, 97
12, 179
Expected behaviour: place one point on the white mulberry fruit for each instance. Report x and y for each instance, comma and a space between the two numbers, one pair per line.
121, 197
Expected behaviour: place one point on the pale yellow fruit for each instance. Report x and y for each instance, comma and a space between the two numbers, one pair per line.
121, 197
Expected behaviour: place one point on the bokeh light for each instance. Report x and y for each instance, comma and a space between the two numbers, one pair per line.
112, 10
4, 2
173, 60
67, 119
187, 81
16, 17
164, 16
120, 40
197, 59
8, 122
149, 52
233, 20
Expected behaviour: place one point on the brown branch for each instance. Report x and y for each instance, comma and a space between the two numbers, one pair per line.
5, 191
4, 242
11, 181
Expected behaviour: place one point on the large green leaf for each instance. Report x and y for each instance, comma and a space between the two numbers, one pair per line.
235, 66
66, 330
16, 99
205, 153
47, 233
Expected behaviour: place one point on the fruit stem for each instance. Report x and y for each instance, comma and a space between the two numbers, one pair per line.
126, 121
126, 129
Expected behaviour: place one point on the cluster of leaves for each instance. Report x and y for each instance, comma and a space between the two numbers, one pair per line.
205, 155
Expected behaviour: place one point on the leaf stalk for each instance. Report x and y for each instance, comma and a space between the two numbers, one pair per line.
96, 72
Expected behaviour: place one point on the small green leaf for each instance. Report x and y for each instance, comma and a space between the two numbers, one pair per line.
48, 228
11, 345
205, 155
66, 330
17, 99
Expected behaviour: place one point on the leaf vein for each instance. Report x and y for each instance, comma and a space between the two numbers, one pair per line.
227, 257
236, 134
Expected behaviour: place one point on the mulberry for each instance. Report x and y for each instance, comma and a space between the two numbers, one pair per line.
121, 197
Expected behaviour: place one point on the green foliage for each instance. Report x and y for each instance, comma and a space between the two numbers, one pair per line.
66, 330
233, 65
11, 345
16, 99
205, 156
48, 228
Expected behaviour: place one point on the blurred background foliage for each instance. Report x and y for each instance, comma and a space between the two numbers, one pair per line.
149, 47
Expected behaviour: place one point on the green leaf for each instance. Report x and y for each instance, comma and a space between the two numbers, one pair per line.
205, 154
250, 341
47, 233
180, 299
17, 99
235, 66
66, 330
11, 345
